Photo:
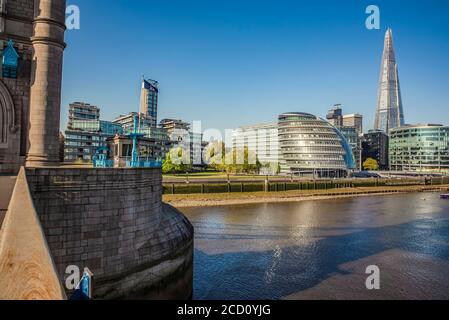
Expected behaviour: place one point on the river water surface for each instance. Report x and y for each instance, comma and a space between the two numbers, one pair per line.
321, 249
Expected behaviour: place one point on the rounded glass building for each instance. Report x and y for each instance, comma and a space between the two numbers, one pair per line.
419, 148
312, 146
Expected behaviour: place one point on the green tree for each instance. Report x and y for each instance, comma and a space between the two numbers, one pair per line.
167, 165
278, 168
371, 164
176, 161
235, 164
214, 155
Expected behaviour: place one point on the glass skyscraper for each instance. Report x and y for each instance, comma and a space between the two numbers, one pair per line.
149, 100
389, 113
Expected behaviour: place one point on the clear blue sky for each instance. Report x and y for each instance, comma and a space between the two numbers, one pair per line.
239, 62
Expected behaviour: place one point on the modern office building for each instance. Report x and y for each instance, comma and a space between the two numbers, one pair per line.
354, 120
420, 148
106, 127
149, 100
312, 146
146, 127
85, 136
81, 146
172, 126
261, 140
180, 135
353, 137
82, 111
86, 132
127, 121
196, 149
169, 134
335, 115
389, 113
351, 126
375, 146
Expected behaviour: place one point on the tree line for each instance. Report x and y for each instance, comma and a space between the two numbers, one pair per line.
216, 158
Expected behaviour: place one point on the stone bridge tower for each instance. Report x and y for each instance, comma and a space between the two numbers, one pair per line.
31, 51
46, 76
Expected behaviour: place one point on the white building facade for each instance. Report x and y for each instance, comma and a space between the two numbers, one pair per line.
261, 140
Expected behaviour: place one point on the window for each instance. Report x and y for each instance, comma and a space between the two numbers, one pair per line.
126, 150
10, 61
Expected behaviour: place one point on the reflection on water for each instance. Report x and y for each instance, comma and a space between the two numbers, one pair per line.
320, 249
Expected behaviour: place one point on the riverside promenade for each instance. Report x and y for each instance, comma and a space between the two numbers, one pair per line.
210, 188
219, 199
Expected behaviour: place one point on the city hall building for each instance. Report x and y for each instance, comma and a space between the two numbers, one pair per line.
312, 146
300, 144
420, 148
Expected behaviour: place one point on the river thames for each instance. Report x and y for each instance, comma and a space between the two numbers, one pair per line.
321, 249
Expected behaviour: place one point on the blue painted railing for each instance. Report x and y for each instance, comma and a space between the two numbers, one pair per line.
103, 163
144, 164
99, 163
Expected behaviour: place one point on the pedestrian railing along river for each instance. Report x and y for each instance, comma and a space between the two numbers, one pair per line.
193, 186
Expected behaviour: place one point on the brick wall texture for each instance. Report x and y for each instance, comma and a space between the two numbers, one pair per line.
113, 221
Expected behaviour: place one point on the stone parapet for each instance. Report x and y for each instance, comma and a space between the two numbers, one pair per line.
113, 221
26, 266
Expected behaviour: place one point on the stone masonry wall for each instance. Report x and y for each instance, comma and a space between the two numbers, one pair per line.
113, 221
13, 156
20, 8
16, 23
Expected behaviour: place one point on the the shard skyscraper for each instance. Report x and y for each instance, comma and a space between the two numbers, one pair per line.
389, 113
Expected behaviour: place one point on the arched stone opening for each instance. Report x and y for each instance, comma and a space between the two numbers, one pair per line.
7, 116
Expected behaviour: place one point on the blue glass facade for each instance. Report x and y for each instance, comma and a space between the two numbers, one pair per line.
149, 100
349, 155
110, 128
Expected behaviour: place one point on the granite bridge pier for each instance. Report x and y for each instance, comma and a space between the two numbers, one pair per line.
114, 222
111, 221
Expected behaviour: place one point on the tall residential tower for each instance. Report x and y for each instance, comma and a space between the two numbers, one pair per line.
389, 113
149, 99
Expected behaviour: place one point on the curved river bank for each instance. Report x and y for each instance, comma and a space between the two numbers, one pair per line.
321, 249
